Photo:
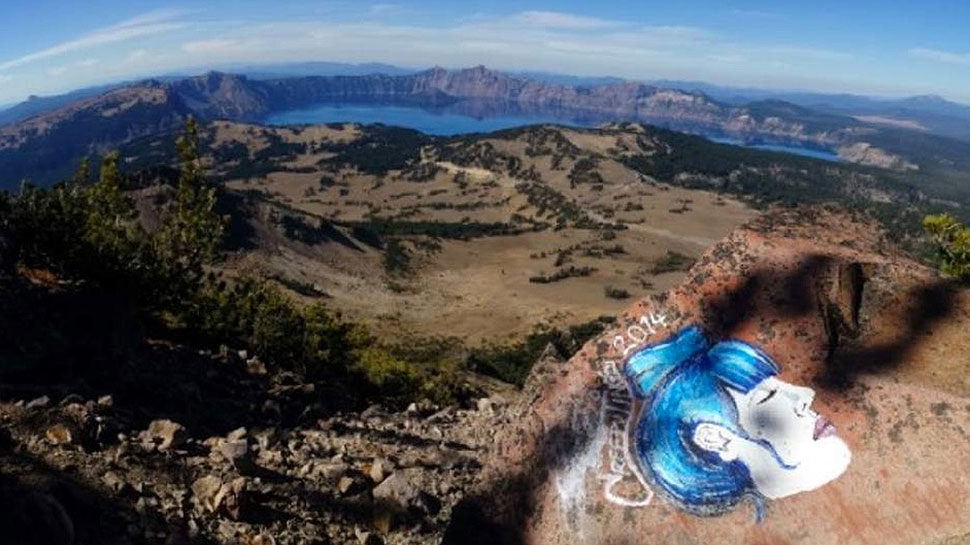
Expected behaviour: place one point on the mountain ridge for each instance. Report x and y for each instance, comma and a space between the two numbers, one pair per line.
218, 95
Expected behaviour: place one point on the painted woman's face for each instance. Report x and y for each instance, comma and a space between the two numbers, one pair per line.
809, 453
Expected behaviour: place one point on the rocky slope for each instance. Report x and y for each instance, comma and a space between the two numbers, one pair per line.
225, 453
47, 147
229, 455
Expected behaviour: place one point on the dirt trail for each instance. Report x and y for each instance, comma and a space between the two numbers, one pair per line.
690, 239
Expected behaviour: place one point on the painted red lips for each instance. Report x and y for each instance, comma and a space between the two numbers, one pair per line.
823, 428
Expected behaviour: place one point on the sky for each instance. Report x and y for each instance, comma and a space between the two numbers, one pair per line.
875, 47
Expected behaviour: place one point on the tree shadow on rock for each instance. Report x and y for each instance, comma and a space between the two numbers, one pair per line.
502, 511
932, 303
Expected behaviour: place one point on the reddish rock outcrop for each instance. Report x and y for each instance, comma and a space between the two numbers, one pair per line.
880, 339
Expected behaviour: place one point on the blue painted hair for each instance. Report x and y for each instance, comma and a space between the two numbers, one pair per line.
682, 381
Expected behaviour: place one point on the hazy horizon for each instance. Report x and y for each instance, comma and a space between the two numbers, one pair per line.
240, 68
869, 48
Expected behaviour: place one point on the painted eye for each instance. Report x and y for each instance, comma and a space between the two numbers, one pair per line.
764, 396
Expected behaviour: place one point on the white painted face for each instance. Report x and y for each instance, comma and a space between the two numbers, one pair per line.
809, 454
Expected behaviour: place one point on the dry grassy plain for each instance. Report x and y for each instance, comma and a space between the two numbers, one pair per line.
617, 224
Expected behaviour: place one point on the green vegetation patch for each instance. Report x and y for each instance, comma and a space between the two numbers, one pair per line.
671, 262
446, 230
952, 241
512, 362
379, 149
571, 271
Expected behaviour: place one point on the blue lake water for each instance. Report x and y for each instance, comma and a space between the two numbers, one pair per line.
797, 150
470, 117
437, 121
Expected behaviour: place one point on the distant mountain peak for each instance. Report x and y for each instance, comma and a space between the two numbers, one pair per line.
928, 99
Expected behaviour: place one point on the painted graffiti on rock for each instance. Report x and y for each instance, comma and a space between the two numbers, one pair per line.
623, 481
716, 425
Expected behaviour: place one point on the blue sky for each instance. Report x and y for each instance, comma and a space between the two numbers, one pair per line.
882, 47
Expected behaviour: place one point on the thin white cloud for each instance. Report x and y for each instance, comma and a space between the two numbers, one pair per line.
153, 22
555, 19
937, 55
56, 71
216, 45
528, 40
383, 10
88, 62
136, 55
728, 59
679, 32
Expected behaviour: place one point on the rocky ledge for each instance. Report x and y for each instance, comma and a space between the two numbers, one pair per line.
806, 384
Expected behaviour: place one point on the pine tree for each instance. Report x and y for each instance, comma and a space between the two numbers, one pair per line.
110, 224
193, 232
83, 173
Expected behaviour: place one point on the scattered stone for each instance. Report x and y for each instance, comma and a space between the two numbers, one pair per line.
265, 438
443, 415
59, 434
236, 434
205, 491
379, 469
231, 497
345, 484
263, 539
71, 399
163, 435
39, 403
114, 482
238, 454
399, 488
367, 538
234, 450
255, 367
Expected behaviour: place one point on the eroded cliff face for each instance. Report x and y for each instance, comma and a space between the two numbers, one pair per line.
867, 154
226, 96
869, 346
220, 96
